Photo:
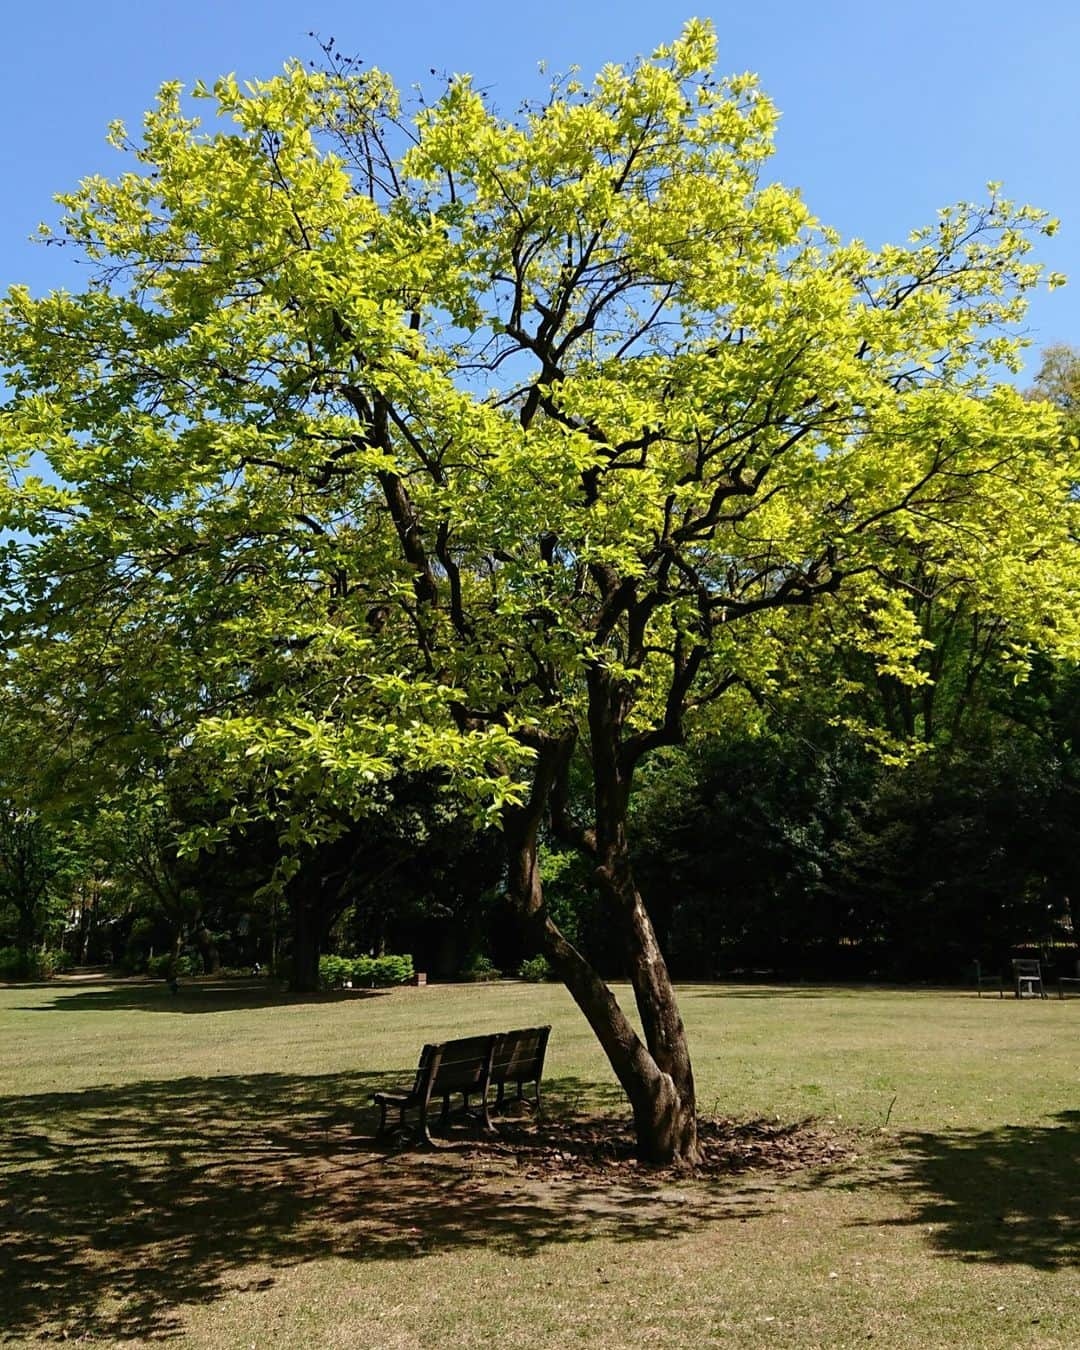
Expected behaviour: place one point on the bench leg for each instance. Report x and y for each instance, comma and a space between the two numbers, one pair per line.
385, 1129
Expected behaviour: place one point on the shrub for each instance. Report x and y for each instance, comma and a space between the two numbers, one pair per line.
158, 966
334, 971
481, 968
364, 972
13, 963
32, 965
380, 972
536, 970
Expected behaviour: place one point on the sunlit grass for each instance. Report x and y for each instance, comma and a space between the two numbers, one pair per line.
198, 1169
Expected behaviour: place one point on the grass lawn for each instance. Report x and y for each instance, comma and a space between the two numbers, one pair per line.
198, 1170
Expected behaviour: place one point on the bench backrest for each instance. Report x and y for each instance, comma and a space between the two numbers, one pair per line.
519, 1055
1025, 967
461, 1066
469, 1064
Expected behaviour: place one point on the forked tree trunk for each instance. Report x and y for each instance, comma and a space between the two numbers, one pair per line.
672, 1125
655, 1073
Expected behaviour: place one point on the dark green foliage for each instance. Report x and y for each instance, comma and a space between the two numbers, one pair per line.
572, 899
31, 865
160, 967
480, 969
16, 964
536, 970
806, 855
410, 873
733, 845
947, 862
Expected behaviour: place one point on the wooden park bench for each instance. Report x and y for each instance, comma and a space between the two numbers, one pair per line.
469, 1067
519, 1059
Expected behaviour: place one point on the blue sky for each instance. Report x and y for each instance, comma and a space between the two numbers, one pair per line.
889, 110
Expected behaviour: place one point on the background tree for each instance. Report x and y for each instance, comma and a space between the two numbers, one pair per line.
534, 440
30, 864
1058, 381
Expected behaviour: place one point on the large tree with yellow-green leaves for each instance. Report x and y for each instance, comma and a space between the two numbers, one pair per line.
454, 444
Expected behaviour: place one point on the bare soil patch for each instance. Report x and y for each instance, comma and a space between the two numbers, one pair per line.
599, 1148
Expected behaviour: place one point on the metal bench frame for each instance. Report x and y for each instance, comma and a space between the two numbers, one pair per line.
993, 981
1028, 977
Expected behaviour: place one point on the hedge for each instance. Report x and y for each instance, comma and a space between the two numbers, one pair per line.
364, 972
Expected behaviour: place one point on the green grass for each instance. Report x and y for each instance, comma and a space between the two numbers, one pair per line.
196, 1169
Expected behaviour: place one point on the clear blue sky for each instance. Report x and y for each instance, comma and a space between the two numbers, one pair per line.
889, 110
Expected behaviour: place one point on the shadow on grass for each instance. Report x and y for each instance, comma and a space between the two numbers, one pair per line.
772, 991
767, 990
1010, 1195
121, 1205
200, 996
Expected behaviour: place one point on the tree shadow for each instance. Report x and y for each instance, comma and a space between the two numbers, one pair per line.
1010, 1195
202, 996
123, 1205
773, 991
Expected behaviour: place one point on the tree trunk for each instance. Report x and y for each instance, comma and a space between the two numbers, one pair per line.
665, 1035
87, 914
655, 1075
26, 931
658, 1009
208, 950
306, 947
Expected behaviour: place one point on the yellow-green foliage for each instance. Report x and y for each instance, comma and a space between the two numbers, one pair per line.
367, 457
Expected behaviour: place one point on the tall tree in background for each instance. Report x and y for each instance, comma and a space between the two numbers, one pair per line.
461, 444
29, 864
1058, 382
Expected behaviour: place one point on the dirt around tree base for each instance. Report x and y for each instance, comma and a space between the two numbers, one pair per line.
599, 1148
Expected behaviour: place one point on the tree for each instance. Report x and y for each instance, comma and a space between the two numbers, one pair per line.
731, 840
1058, 380
28, 867
37, 861
469, 445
